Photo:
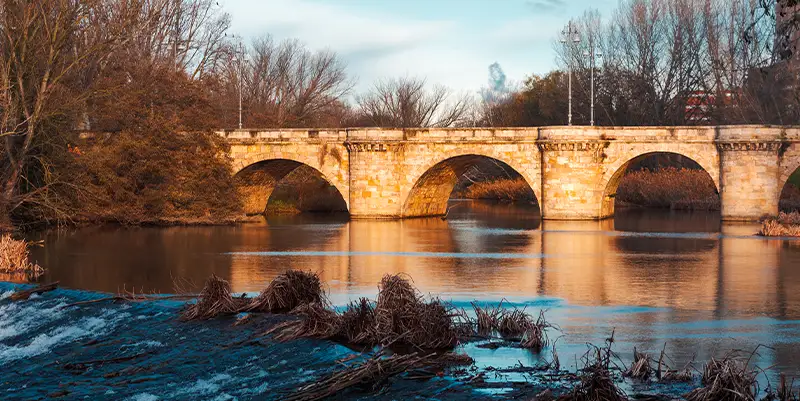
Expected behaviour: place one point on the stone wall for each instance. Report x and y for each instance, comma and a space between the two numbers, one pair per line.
574, 172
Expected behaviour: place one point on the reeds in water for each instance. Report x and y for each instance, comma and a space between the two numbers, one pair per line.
785, 225
597, 382
640, 368
14, 258
726, 379
357, 325
288, 291
487, 319
215, 299
403, 316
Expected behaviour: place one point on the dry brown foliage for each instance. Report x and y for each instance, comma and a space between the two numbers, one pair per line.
790, 198
373, 373
535, 336
596, 380
288, 291
215, 299
514, 323
401, 315
14, 258
785, 225
640, 369
315, 321
726, 379
669, 187
512, 189
487, 319
358, 322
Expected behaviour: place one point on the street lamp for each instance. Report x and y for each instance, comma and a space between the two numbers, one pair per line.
237, 60
592, 54
570, 33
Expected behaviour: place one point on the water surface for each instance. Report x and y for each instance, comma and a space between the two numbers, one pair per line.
683, 279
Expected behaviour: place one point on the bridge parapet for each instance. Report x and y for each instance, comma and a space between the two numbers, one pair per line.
629, 134
283, 135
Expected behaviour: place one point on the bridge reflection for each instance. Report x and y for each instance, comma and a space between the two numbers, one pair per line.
674, 277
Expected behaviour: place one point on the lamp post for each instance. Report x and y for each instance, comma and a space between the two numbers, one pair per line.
237, 58
592, 54
570, 34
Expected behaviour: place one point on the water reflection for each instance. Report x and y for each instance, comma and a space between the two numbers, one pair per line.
681, 278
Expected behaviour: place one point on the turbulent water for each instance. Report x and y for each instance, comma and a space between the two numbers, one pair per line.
652, 278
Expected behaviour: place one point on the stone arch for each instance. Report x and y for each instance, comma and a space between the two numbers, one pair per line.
257, 181
432, 182
790, 163
613, 173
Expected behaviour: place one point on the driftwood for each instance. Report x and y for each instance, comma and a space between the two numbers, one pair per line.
23, 295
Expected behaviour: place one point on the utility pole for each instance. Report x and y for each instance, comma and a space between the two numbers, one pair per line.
570, 34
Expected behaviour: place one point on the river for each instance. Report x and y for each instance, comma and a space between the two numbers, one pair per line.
684, 279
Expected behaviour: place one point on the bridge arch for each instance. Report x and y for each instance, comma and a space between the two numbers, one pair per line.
790, 166
431, 183
615, 171
258, 181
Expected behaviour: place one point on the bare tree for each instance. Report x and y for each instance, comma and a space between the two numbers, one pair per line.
286, 85
406, 103
45, 46
188, 35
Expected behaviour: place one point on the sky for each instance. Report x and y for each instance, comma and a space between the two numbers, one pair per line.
448, 42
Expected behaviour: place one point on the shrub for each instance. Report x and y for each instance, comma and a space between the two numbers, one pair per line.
154, 175
511, 189
669, 188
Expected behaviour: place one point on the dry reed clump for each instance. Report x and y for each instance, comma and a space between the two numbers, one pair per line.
215, 299
596, 380
669, 187
315, 321
790, 198
487, 319
433, 328
14, 258
785, 225
514, 323
402, 316
373, 373
727, 379
535, 336
288, 291
357, 323
511, 189
640, 369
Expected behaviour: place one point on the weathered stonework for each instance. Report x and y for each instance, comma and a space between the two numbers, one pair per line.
573, 171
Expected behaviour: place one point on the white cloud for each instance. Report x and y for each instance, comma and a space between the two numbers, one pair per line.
323, 25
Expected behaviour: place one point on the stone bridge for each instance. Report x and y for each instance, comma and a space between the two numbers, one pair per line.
573, 171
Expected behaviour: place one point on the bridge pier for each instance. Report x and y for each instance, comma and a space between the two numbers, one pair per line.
750, 161
570, 173
374, 180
